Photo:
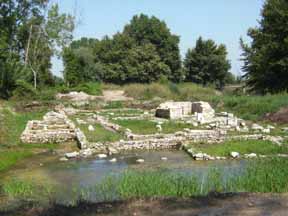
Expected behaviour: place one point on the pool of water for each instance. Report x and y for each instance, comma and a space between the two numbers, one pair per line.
70, 177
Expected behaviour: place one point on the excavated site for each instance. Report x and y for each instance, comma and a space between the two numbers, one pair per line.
203, 125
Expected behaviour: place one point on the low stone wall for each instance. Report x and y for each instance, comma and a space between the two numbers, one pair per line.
54, 128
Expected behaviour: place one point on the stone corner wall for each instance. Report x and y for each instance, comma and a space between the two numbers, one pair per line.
54, 128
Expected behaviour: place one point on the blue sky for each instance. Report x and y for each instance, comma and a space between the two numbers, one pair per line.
224, 21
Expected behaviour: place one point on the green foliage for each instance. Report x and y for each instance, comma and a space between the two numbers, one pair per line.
250, 107
89, 88
24, 90
29, 37
207, 63
10, 158
243, 147
266, 60
26, 190
157, 184
170, 91
265, 176
143, 52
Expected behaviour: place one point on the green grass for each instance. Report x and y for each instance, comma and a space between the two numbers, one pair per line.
183, 91
265, 175
10, 158
26, 189
250, 107
11, 128
14, 125
121, 112
149, 127
138, 126
48, 146
100, 134
243, 147
114, 105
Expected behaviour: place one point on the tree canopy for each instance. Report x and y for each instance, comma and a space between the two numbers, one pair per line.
142, 52
207, 63
31, 32
266, 59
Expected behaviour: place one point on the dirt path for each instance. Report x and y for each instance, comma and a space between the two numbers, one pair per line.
115, 95
228, 204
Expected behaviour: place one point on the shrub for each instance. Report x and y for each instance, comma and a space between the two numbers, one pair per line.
89, 88
24, 90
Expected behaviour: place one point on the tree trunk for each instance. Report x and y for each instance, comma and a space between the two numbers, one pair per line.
35, 78
28, 46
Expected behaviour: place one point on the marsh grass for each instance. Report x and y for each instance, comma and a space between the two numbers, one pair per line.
26, 189
8, 158
243, 147
265, 175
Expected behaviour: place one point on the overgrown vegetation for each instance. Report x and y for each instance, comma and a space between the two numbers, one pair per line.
170, 91
269, 175
24, 189
250, 107
262, 175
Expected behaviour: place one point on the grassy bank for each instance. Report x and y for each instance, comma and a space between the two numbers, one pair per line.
259, 147
8, 158
263, 175
170, 91
250, 107
12, 124
267, 176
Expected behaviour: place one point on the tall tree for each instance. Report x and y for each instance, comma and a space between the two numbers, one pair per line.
266, 59
142, 52
144, 29
46, 37
15, 15
31, 32
207, 63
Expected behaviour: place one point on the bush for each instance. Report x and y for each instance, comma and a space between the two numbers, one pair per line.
89, 88
24, 90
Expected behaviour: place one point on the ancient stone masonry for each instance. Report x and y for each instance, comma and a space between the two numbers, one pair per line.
54, 128
200, 111
165, 141
104, 122
174, 110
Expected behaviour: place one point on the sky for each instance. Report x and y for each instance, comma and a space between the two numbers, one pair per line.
224, 21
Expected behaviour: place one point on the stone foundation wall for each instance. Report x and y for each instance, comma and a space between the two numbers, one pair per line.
54, 128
